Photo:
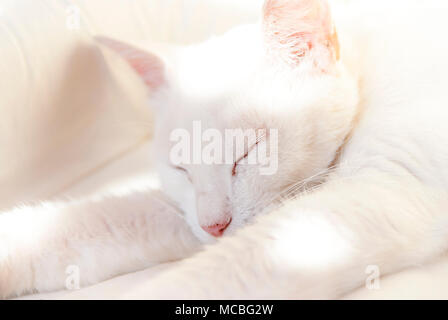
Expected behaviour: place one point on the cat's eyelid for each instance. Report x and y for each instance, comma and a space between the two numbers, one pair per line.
261, 139
179, 168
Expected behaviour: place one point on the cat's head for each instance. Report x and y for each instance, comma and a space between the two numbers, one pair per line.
283, 77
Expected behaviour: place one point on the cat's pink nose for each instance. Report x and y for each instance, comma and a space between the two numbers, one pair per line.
217, 229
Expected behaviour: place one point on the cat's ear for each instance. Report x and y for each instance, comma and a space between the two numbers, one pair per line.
148, 66
298, 29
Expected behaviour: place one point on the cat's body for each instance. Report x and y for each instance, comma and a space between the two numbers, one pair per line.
379, 123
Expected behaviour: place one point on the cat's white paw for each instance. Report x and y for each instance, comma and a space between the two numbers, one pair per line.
14, 280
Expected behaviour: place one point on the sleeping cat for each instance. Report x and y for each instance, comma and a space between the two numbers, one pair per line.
362, 173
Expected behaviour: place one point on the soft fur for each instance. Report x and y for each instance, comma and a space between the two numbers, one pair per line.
362, 178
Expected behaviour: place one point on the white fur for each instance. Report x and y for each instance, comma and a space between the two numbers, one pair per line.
377, 116
103, 237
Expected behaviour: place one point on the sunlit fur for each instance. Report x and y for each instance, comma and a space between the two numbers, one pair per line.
362, 174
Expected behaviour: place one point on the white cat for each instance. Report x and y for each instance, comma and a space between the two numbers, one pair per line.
360, 113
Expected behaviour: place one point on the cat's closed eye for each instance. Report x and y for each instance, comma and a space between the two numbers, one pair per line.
242, 158
237, 162
185, 171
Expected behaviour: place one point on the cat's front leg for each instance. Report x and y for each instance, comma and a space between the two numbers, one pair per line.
319, 245
53, 245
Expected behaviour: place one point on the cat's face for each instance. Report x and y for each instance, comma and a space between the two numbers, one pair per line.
285, 85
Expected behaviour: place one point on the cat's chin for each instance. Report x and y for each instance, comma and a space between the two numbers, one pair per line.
205, 238
202, 236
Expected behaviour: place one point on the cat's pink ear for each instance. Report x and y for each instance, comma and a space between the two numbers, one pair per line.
150, 67
297, 29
